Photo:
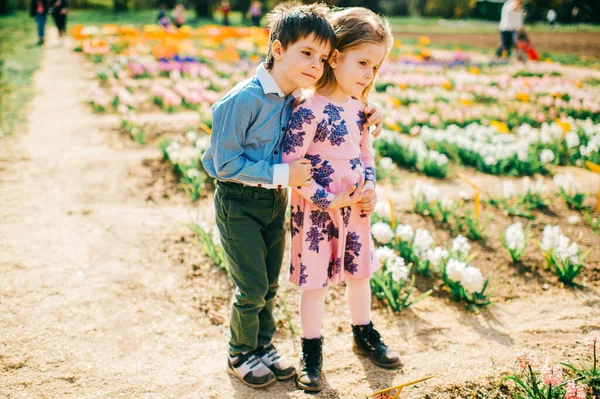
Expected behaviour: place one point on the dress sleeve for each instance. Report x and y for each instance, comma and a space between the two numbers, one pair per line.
300, 134
366, 150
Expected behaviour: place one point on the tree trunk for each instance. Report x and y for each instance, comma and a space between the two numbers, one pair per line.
416, 8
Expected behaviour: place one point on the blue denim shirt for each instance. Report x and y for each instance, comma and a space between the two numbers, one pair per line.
249, 126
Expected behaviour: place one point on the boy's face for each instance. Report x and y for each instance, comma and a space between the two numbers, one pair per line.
303, 61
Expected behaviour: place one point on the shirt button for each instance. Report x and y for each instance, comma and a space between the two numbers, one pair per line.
275, 152
283, 129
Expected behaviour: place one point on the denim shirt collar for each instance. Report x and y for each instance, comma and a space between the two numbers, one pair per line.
268, 83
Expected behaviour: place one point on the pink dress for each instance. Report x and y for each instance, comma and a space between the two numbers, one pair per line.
326, 243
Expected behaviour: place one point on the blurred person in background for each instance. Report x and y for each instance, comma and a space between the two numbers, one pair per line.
511, 21
59, 14
39, 10
255, 12
226, 10
179, 14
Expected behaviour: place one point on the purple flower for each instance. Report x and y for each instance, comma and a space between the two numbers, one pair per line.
349, 264
314, 236
337, 134
346, 211
320, 199
319, 218
302, 115
314, 159
331, 231
370, 173
321, 133
362, 119
352, 243
334, 267
355, 162
321, 175
292, 141
333, 112
302, 275
297, 220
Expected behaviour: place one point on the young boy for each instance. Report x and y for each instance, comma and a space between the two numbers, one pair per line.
249, 125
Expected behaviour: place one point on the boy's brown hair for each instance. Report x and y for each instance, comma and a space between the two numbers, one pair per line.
292, 21
353, 27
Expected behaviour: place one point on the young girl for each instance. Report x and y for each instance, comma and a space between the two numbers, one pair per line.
331, 238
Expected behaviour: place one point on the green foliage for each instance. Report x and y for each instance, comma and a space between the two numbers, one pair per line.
19, 59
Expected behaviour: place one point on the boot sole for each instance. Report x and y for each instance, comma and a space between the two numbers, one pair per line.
360, 352
266, 384
309, 389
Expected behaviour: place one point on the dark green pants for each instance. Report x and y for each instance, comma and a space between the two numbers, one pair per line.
251, 221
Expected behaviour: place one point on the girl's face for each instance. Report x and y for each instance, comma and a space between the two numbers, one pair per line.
355, 69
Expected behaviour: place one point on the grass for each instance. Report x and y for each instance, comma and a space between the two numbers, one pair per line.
19, 59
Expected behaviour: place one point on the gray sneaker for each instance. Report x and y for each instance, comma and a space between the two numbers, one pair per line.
250, 370
275, 361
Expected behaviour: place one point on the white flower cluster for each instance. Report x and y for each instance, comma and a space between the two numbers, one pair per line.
567, 183
554, 240
382, 232
425, 191
469, 277
514, 237
394, 264
461, 246
422, 242
419, 148
182, 155
436, 256
485, 141
383, 210
538, 188
405, 232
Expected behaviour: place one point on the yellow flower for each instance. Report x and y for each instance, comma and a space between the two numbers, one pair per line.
424, 41
500, 127
466, 101
523, 97
474, 70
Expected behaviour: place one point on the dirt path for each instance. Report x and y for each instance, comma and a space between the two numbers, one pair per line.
97, 297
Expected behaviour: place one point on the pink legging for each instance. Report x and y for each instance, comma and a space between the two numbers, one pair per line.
312, 306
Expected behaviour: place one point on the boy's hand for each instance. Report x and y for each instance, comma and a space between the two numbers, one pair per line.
367, 198
346, 198
375, 117
300, 173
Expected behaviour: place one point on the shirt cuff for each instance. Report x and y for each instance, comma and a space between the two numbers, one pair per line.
281, 174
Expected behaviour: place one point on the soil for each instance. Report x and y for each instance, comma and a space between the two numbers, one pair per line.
584, 44
105, 294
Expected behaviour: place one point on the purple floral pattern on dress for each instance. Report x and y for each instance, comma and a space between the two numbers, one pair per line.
297, 220
302, 275
354, 162
319, 218
337, 134
352, 243
291, 141
362, 119
370, 173
333, 113
322, 132
349, 264
314, 236
320, 199
346, 211
334, 267
301, 116
321, 174
331, 231
314, 159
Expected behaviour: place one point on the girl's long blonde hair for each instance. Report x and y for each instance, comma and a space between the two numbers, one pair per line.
353, 27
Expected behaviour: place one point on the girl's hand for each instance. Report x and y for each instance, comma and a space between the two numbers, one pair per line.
346, 198
375, 118
367, 198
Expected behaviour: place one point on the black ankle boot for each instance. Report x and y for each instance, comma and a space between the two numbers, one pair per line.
367, 342
310, 377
